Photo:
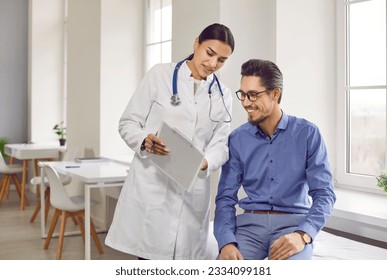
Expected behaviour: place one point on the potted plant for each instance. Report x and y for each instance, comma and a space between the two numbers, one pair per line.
60, 131
3, 142
382, 180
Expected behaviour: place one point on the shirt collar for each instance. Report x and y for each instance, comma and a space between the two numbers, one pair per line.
282, 125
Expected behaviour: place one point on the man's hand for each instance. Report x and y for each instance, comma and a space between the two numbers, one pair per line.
286, 246
230, 252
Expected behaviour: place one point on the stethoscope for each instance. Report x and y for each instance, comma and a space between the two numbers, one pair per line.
176, 101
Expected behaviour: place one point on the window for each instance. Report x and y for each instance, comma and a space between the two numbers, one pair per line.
362, 96
159, 32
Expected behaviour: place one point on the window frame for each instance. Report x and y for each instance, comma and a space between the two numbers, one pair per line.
343, 177
148, 44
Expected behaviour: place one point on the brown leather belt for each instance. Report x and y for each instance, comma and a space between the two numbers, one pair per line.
265, 212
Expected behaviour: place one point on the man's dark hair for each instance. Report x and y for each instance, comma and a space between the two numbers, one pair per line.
270, 74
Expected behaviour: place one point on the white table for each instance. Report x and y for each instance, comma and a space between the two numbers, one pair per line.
103, 174
36, 151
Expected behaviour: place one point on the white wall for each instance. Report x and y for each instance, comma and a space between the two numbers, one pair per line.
121, 67
45, 68
188, 20
253, 25
306, 54
13, 70
104, 67
84, 74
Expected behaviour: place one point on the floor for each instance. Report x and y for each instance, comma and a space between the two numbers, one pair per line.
21, 240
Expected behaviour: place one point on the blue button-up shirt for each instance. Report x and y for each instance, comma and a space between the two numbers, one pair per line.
289, 172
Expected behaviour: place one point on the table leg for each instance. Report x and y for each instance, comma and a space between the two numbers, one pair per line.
36, 167
38, 206
24, 179
87, 222
43, 206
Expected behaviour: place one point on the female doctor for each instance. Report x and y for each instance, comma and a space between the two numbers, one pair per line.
156, 218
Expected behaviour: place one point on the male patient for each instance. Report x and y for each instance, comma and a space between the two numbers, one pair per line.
281, 163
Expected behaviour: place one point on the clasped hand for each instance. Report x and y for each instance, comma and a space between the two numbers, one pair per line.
281, 249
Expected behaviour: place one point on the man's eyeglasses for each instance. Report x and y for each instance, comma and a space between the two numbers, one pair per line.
251, 95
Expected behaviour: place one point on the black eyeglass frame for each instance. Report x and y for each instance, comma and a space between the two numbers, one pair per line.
243, 95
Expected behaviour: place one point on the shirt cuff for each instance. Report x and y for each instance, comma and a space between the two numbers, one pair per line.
227, 239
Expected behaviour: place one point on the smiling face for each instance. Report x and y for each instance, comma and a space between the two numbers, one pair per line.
209, 56
265, 109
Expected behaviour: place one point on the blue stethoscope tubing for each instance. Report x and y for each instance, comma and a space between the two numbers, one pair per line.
175, 100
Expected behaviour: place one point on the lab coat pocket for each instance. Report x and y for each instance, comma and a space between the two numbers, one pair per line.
151, 185
200, 196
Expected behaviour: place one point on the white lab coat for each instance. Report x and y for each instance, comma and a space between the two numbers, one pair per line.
155, 218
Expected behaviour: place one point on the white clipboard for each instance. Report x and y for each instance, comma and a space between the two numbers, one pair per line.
183, 162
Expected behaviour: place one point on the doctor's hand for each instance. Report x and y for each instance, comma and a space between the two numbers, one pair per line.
230, 252
286, 246
204, 165
154, 145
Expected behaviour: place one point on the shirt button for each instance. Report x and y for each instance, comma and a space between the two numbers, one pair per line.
271, 161
272, 179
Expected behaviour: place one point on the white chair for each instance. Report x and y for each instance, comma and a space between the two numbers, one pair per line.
9, 171
70, 155
66, 206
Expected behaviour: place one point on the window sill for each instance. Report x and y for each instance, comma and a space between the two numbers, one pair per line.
360, 213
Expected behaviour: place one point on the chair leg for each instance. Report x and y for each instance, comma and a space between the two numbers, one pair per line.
18, 188
48, 204
39, 206
52, 228
7, 187
4, 187
92, 231
75, 221
36, 211
95, 237
61, 234
82, 227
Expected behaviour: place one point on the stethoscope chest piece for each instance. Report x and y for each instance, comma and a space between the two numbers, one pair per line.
175, 100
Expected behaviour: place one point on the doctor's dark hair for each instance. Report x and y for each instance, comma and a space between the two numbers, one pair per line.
218, 32
270, 74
